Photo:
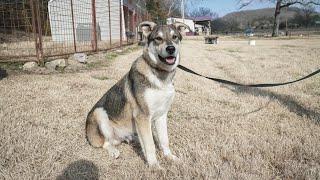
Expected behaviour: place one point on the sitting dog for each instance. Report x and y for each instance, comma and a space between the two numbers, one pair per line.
140, 101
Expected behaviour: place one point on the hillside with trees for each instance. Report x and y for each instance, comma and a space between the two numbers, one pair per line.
280, 6
263, 19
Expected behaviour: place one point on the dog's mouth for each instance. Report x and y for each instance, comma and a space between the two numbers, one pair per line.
170, 60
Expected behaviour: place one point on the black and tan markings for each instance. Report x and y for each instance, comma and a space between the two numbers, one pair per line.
114, 100
128, 106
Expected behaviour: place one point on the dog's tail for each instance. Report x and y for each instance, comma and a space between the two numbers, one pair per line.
93, 134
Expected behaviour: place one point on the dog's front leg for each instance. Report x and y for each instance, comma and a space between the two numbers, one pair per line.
162, 134
143, 126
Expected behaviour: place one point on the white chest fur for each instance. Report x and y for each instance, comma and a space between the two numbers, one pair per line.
159, 100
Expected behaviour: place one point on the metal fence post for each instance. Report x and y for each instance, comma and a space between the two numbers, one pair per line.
120, 22
73, 28
134, 29
36, 28
94, 28
39, 24
110, 36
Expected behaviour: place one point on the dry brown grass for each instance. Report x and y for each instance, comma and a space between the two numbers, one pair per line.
217, 131
25, 48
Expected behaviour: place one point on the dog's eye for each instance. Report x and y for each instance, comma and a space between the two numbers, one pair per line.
174, 37
158, 38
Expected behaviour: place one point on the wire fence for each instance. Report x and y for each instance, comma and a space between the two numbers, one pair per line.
37, 30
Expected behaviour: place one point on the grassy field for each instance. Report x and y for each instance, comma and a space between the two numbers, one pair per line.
218, 131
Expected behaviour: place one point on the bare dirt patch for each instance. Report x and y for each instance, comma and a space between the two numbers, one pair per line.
218, 131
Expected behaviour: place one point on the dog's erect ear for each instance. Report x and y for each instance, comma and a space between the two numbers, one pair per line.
181, 27
147, 27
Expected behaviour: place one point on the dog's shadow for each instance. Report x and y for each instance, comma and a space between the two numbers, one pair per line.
80, 170
136, 145
3, 73
291, 104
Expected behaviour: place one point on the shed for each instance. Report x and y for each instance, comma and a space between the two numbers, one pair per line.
61, 21
203, 22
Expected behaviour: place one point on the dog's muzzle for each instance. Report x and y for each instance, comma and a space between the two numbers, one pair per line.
170, 60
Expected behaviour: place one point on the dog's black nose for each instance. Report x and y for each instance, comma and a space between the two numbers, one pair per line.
170, 49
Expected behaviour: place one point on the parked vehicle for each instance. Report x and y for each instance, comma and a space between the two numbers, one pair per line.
249, 32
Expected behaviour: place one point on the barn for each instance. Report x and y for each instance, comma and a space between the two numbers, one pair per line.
73, 19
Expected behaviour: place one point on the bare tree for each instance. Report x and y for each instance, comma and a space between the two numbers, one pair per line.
305, 17
307, 13
162, 9
203, 11
280, 4
172, 6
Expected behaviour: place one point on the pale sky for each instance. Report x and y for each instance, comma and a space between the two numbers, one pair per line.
223, 7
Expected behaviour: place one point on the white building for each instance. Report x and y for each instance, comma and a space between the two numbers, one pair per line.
60, 16
188, 22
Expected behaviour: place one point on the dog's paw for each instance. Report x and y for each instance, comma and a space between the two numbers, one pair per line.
173, 158
156, 166
116, 142
113, 152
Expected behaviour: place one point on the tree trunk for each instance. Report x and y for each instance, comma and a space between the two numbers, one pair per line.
275, 31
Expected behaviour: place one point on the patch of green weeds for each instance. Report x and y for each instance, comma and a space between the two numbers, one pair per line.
102, 78
233, 50
11, 65
111, 55
94, 64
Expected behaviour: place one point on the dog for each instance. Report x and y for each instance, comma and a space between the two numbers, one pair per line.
138, 104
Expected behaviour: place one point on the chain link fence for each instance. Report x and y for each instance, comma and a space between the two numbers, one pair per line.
37, 30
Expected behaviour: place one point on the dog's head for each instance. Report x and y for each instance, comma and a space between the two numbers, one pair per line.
162, 48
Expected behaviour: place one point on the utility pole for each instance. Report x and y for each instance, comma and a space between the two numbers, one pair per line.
287, 33
182, 10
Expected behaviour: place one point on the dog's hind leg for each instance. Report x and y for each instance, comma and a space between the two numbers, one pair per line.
108, 132
93, 134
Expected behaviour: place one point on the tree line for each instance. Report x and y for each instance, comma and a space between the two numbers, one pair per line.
280, 5
293, 18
